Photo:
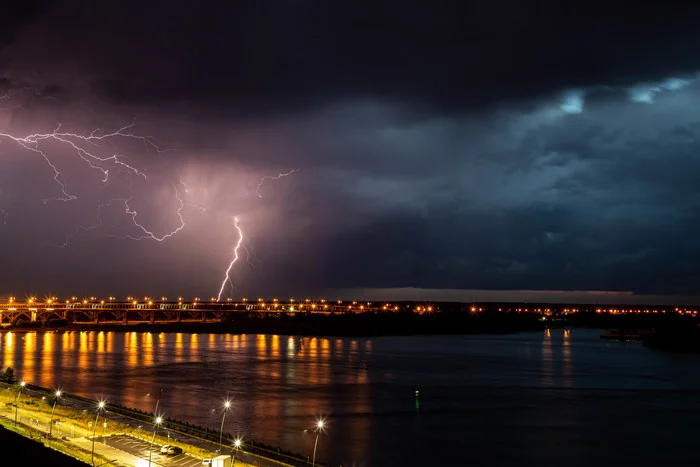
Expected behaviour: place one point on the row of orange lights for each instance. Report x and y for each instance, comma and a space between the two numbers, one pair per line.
151, 301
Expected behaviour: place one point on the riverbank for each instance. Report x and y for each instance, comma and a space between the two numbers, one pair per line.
72, 420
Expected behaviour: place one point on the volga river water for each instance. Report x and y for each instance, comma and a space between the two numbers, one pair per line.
557, 397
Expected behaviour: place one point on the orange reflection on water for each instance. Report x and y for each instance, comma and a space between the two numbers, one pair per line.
147, 349
194, 346
29, 349
547, 360
162, 341
338, 347
46, 358
131, 347
275, 347
179, 348
101, 349
9, 351
291, 349
261, 343
67, 347
567, 367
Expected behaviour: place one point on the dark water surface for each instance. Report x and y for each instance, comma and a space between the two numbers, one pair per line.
553, 398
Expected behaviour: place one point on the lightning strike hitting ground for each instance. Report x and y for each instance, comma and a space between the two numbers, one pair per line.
87, 147
233, 261
269, 177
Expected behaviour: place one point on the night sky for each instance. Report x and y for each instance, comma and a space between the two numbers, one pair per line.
481, 146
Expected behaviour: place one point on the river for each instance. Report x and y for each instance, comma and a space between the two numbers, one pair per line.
557, 397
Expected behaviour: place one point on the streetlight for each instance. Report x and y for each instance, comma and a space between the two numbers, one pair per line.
21, 386
237, 444
319, 427
56, 395
100, 406
156, 422
227, 405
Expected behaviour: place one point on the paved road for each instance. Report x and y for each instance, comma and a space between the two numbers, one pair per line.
135, 448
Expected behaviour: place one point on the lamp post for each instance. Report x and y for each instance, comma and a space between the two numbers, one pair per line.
319, 426
160, 394
227, 405
100, 406
237, 444
156, 422
56, 395
21, 386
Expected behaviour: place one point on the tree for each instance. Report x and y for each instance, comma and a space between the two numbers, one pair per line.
8, 376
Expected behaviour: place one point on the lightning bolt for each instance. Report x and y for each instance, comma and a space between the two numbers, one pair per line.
199, 208
93, 150
74, 140
270, 177
227, 278
81, 144
147, 233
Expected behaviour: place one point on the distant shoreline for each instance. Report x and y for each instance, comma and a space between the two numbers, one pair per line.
342, 325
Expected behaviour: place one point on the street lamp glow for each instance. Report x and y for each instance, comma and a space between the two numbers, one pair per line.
156, 422
100, 406
21, 386
227, 406
320, 424
56, 396
236, 444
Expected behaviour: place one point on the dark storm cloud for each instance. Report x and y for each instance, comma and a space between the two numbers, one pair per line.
266, 56
502, 145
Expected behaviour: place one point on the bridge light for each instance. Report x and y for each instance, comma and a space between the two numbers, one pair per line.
134, 303
150, 302
84, 302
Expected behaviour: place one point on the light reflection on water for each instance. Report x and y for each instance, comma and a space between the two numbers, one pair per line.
547, 397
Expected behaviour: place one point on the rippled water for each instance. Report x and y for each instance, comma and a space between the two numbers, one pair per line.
560, 397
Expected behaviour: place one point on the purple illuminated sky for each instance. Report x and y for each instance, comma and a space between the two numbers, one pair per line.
474, 147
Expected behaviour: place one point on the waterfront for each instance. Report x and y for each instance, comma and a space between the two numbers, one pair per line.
548, 397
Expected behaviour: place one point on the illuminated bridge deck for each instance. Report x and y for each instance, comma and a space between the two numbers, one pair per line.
110, 312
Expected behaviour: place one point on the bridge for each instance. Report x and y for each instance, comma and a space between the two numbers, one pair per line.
150, 311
